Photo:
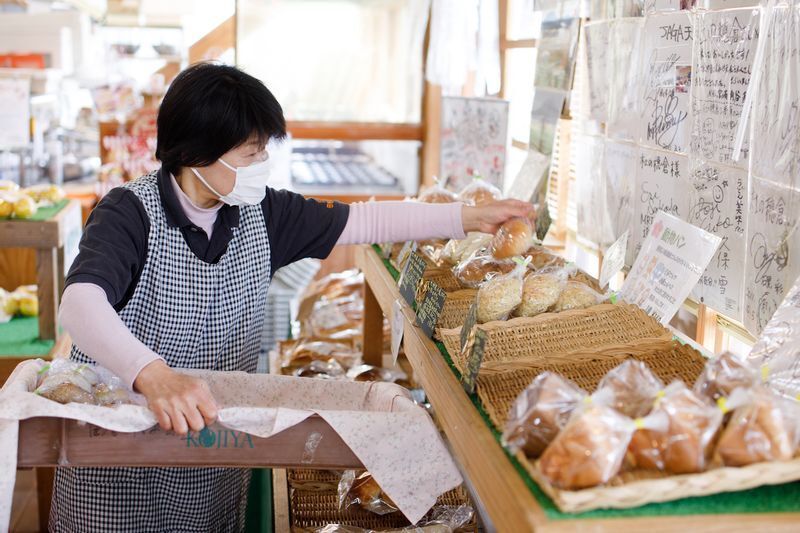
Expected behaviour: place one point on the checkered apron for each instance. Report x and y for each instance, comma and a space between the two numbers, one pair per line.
195, 315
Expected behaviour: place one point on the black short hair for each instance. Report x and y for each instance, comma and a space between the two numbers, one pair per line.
210, 109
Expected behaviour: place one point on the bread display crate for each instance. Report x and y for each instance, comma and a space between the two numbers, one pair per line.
504, 486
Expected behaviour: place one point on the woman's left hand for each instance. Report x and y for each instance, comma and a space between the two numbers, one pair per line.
488, 218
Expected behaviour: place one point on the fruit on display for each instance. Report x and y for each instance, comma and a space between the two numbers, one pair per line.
46, 193
24, 207
8, 186
23, 301
6, 206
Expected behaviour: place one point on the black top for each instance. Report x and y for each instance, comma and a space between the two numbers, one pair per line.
113, 248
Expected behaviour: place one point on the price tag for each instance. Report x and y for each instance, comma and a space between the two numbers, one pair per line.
543, 222
430, 307
672, 259
405, 253
386, 250
614, 259
397, 328
469, 323
473, 350
411, 277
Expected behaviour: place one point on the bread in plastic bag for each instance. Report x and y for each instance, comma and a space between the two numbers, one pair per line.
540, 290
437, 195
724, 374
765, 428
513, 238
330, 369
432, 250
540, 412
500, 295
304, 353
685, 446
542, 257
456, 251
479, 192
374, 373
633, 388
362, 490
478, 268
589, 451
66, 381
577, 296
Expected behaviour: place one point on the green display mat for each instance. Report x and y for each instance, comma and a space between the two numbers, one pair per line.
767, 499
20, 337
46, 213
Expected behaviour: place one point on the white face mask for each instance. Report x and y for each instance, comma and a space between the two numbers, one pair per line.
250, 186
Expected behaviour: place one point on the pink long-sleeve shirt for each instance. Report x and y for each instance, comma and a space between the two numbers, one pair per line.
97, 329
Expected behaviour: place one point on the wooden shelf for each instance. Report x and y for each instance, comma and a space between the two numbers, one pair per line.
504, 501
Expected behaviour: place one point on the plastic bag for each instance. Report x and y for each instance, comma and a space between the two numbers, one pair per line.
540, 412
541, 289
765, 428
330, 369
363, 490
577, 296
513, 238
541, 257
46, 194
432, 250
456, 251
589, 451
374, 373
479, 267
437, 195
479, 192
686, 444
66, 381
304, 353
499, 296
724, 374
633, 388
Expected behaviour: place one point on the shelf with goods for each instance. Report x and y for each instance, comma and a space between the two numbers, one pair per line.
502, 488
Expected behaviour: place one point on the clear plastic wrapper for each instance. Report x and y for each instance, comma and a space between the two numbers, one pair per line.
330, 369
479, 192
540, 412
432, 250
437, 195
541, 257
577, 295
513, 238
330, 316
362, 490
765, 428
589, 451
306, 352
541, 289
456, 251
499, 296
633, 388
479, 267
724, 374
66, 381
685, 446
374, 373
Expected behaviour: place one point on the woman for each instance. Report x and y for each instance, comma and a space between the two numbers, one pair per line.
173, 271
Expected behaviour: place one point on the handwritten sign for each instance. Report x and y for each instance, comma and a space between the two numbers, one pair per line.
397, 329
469, 323
625, 82
776, 354
530, 176
473, 140
598, 35
661, 185
776, 111
473, 350
719, 206
773, 250
15, 112
620, 160
672, 259
555, 58
545, 112
430, 307
593, 220
667, 72
614, 259
411, 277
723, 57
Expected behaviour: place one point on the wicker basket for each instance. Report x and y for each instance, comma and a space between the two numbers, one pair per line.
314, 503
443, 277
456, 307
541, 338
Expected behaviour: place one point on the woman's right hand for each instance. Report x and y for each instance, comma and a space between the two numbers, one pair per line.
180, 402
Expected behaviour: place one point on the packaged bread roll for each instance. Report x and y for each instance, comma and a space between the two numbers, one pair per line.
364, 491
541, 257
685, 445
499, 296
633, 388
66, 381
513, 238
478, 268
724, 374
457, 251
540, 290
589, 451
576, 295
764, 429
540, 412
437, 195
479, 192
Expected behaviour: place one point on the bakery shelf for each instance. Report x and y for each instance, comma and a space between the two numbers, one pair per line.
505, 496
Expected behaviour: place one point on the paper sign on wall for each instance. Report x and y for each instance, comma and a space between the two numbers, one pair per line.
625, 84
613, 259
598, 35
473, 140
620, 160
15, 115
533, 170
672, 259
